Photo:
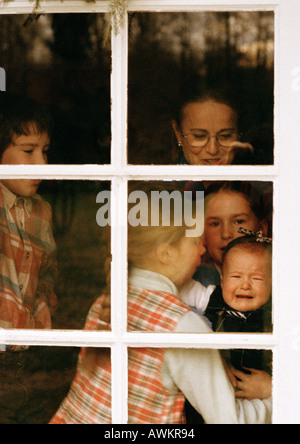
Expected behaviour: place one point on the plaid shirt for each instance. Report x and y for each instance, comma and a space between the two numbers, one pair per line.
28, 262
149, 402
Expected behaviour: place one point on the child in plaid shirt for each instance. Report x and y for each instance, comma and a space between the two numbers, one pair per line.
27, 247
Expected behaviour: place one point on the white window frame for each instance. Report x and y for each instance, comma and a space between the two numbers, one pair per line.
285, 340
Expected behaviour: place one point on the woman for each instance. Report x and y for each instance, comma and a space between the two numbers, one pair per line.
207, 128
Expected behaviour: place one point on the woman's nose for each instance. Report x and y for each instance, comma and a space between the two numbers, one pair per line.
212, 147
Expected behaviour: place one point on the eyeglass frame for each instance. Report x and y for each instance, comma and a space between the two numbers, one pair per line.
211, 136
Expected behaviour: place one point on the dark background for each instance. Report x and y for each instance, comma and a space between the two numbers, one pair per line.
64, 60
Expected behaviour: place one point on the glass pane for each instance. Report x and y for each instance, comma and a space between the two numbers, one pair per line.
193, 386
44, 384
200, 248
89, 399
34, 382
62, 61
54, 266
195, 73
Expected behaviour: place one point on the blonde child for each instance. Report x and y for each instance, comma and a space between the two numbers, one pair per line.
160, 259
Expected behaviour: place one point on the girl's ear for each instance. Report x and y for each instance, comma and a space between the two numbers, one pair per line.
164, 253
176, 131
221, 279
264, 227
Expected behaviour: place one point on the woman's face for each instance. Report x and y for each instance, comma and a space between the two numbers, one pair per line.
210, 118
225, 212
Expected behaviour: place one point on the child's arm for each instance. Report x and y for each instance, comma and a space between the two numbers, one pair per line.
196, 295
200, 375
257, 385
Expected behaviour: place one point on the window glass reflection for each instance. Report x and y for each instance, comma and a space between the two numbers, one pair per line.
34, 382
177, 60
82, 249
194, 386
54, 253
221, 270
61, 61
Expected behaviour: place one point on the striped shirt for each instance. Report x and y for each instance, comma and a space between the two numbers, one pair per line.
28, 262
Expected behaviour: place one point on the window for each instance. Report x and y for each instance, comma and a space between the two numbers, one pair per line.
101, 169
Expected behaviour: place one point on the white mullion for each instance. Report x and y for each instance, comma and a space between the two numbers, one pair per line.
119, 373
58, 172
119, 383
72, 6
106, 172
119, 379
275, 261
119, 98
119, 256
200, 5
287, 388
91, 338
55, 6
195, 172
118, 172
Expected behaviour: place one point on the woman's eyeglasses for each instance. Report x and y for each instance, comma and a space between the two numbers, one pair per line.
201, 139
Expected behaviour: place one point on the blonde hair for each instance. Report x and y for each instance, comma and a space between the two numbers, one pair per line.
142, 240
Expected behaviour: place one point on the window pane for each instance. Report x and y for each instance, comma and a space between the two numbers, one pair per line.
53, 268
61, 61
82, 248
177, 385
89, 400
34, 382
225, 276
176, 59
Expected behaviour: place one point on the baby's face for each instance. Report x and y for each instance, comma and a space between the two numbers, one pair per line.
246, 279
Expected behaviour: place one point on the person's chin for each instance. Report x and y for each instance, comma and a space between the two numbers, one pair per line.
30, 188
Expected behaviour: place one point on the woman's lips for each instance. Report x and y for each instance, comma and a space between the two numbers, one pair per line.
212, 161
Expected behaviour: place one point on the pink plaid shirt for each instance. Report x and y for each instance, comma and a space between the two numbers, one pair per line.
27, 260
149, 402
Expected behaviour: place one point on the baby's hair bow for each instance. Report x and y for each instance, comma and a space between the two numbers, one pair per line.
258, 235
